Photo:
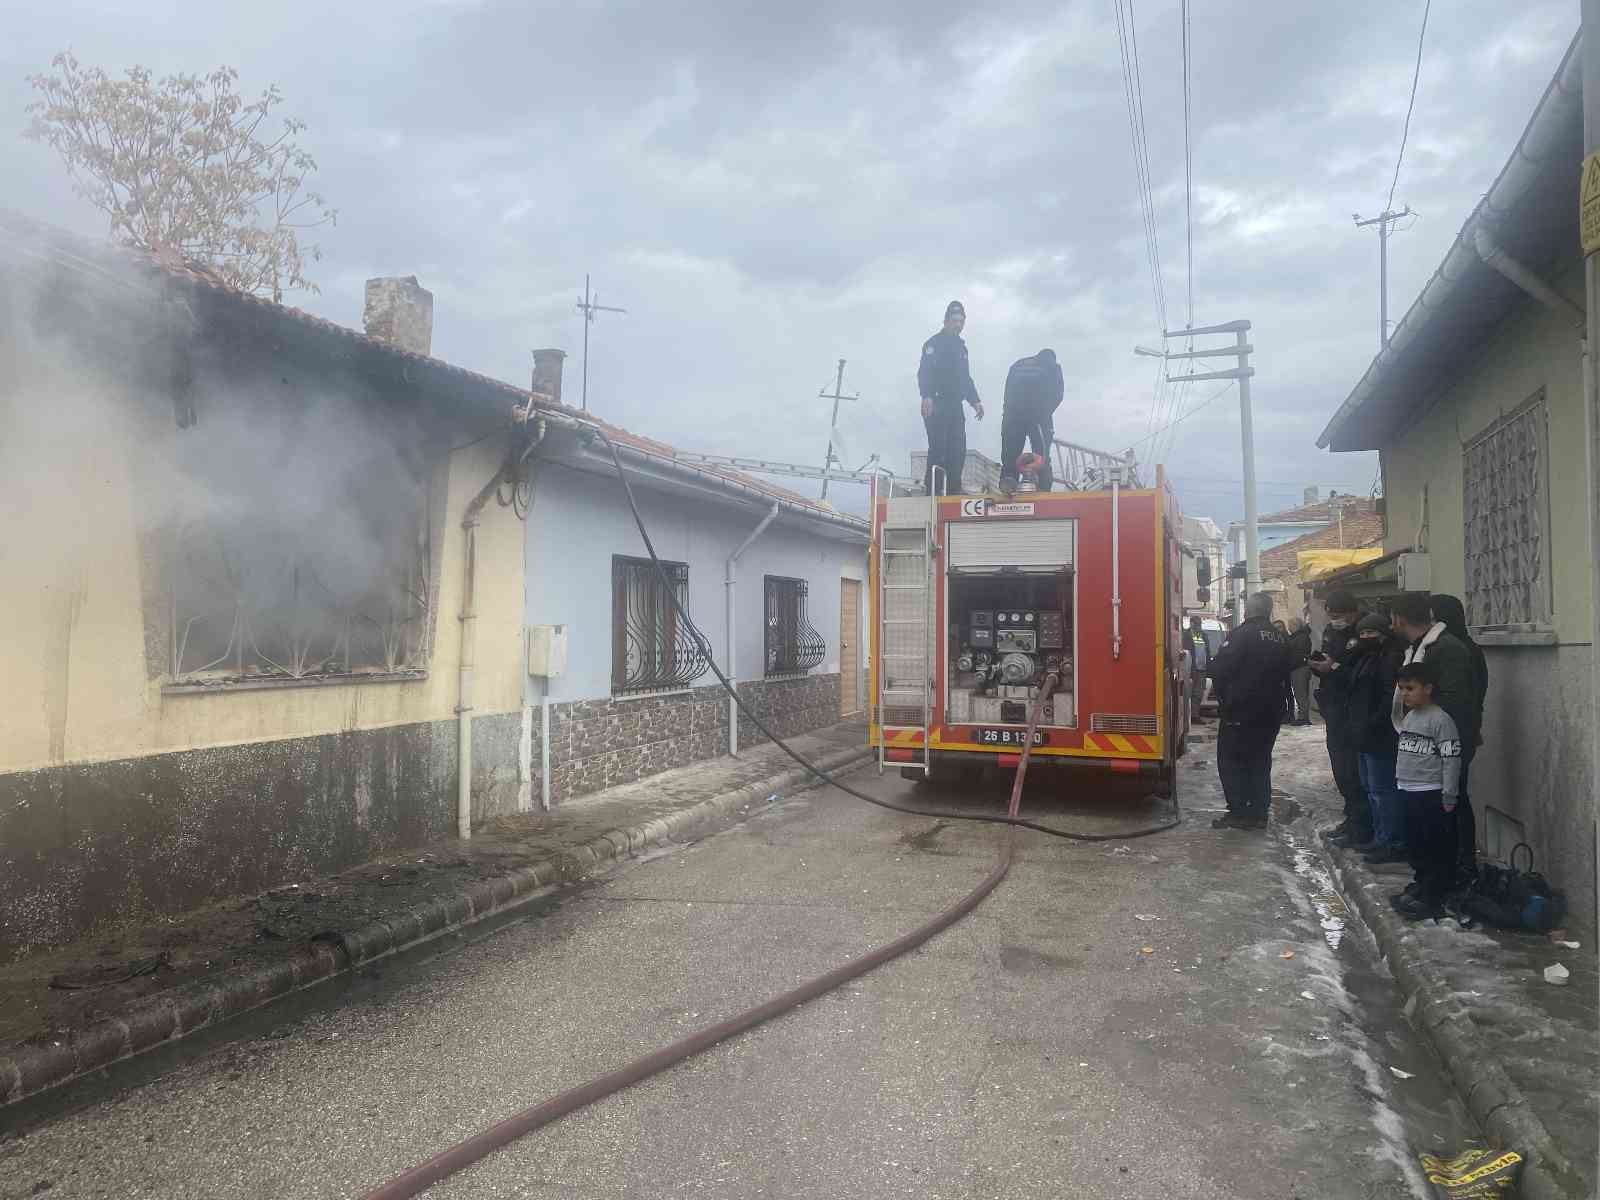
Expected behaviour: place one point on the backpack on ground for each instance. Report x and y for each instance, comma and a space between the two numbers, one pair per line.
1509, 898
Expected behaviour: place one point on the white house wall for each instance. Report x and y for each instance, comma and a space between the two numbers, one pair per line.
577, 523
580, 521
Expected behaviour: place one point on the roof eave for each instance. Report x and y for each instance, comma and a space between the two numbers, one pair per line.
1462, 283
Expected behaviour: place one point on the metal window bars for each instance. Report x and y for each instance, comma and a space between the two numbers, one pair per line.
1505, 510
792, 645
651, 649
243, 606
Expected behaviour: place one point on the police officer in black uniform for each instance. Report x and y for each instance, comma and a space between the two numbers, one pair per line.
1033, 393
945, 382
1250, 670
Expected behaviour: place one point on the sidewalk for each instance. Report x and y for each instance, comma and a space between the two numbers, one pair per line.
77, 1008
1523, 1054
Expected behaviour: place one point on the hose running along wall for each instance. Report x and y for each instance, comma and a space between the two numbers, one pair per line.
447, 1162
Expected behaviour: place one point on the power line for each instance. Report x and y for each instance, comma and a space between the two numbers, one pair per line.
1188, 174
1133, 95
1405, 133
1188, 231
1184, 417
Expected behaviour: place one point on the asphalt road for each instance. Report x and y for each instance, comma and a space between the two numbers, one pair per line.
1034, 1050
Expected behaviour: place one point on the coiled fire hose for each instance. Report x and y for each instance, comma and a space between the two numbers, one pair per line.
447, 1162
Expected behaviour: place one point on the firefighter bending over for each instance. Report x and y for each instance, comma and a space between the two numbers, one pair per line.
1249, 671
1033, 393
945, 382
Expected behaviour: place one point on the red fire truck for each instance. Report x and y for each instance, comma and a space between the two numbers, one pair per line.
976, 599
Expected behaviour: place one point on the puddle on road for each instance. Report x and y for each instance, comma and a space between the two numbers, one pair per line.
1325, 899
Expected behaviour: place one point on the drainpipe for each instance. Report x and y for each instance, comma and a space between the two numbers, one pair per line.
1495, 257
727, 583
469, 630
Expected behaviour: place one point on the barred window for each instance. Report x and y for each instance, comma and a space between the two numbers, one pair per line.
305, 560
1506, 504
792, 645
651, 648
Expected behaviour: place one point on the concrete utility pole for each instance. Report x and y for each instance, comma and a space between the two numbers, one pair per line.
1383, 220
1241, 349
833, 422
588, 306
1590, 50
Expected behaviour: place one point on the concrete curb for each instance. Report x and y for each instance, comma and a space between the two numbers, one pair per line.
1494, 1101
35, 1067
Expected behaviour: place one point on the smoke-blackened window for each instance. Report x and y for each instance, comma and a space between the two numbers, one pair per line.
297, 542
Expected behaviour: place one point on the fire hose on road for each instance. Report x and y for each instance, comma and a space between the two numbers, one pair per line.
447, 1162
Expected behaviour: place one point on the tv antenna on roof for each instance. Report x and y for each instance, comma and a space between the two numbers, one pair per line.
588, 306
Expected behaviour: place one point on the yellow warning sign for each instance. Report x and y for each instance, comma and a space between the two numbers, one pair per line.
1589, 204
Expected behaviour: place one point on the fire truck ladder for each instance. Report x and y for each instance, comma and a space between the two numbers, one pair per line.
905, 614
1083, 468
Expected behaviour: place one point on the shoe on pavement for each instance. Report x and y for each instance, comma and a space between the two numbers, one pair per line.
1415, 908
1228, 821
1253, 823
1412, 892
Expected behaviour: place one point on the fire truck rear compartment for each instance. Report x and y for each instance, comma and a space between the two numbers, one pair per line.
1006, 631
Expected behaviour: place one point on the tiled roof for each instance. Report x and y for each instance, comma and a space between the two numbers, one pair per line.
1360, 530
27, 237
1323, 510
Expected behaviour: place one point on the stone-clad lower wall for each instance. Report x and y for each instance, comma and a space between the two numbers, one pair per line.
86, 846
596, 744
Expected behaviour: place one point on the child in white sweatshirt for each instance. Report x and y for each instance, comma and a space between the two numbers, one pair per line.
1428, 772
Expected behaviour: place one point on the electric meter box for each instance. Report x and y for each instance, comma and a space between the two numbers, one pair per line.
1412, 572
547, 651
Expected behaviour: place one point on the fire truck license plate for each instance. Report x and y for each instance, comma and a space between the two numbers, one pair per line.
1010, 737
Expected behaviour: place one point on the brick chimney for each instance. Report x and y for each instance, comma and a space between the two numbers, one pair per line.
547, 373
1311, 493
399, 311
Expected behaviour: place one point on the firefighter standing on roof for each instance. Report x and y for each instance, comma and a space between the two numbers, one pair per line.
1033, 393
945, 382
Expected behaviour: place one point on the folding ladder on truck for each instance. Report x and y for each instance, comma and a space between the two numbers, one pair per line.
906, 633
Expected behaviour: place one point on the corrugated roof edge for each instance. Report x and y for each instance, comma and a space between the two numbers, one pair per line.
94, 254
1441, 292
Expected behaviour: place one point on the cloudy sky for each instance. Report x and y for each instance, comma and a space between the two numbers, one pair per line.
770, 187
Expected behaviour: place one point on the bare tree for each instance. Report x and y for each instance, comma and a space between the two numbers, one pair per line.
185, 170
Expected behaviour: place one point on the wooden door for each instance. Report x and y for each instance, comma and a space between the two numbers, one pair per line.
849, 647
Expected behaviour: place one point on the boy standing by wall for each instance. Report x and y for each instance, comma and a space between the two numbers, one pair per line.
1428, 771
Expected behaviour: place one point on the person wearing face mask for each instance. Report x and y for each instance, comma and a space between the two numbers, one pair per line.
1333, 696
1371, 666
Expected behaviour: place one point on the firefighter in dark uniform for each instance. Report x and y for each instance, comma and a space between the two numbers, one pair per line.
1250, 670
945, 383
1033, 393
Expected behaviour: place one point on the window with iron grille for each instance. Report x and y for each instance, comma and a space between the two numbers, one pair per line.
651, 649
792, 645
305, 560
1506, 505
